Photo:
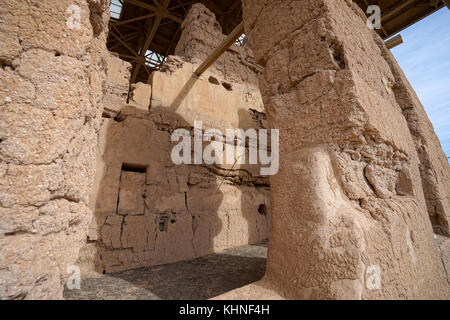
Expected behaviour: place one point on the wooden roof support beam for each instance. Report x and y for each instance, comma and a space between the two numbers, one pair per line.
228, 42
395, 41
395, 11
447, 3
382, 28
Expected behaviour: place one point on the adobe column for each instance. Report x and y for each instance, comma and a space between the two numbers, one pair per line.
51, 91
349, 215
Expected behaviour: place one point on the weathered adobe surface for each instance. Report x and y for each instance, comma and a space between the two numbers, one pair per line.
147, 210
348, 198
201, 34
434, 166
164, 213
51, 86
353, 199
443, 243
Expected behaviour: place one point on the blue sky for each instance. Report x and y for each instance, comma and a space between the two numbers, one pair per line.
425, 59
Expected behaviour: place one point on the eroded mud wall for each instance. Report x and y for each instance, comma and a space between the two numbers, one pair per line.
349, 214
149, 211
434, 166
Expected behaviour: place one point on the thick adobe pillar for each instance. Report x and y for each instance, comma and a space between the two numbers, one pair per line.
349, 214
51, 90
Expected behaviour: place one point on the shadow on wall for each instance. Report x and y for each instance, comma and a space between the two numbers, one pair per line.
255, 207
150, 212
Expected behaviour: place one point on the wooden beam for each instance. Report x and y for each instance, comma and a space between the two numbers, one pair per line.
395, 41
447, 3
382, 28
393, 12
228, 42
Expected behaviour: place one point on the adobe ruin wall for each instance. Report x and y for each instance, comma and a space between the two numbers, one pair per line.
147, 210
86, 176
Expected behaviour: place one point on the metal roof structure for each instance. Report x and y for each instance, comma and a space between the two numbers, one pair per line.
145, 32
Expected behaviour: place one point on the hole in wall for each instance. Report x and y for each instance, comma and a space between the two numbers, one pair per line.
338, 55
163, 224
106, 115
227, 86
137, 168
214, 81
413, 238
262, 209
95, 18
6, 65
119, 119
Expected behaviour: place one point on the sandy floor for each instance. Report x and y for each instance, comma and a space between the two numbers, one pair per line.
198, 279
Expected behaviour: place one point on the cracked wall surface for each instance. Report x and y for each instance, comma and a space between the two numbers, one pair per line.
434, 167
149, 211
51, 88
201, 34
361, 169
348, 199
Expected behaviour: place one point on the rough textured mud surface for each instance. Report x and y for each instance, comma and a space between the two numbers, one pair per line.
199, 279
201, 34
434, 166
51, 89
348, 200
148, 211
86, 177
444, 251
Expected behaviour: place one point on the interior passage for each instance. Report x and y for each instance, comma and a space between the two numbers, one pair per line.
198, 279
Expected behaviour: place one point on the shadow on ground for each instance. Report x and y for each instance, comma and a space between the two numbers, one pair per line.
198, 279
